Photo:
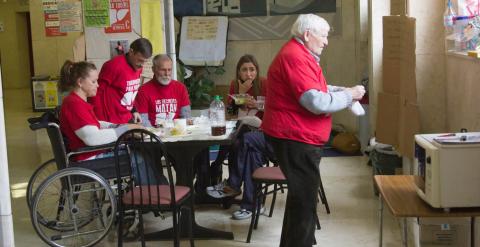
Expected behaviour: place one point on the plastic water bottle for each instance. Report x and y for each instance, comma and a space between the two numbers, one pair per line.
449, 16
217, 116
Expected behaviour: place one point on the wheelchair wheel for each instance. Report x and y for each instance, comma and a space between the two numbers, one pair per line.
73, 207
41, 174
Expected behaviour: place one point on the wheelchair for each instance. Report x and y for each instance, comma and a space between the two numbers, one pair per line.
72, 203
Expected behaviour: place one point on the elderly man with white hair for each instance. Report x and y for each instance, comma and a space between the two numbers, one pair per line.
297, 121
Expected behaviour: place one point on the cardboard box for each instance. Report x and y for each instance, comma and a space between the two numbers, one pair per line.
409, 126
388, 109
398, 7
397, 110
442, 231
399, 57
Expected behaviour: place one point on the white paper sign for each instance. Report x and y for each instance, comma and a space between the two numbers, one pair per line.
203, 40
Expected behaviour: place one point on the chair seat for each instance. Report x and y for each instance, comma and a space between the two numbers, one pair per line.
269, 174
150, 197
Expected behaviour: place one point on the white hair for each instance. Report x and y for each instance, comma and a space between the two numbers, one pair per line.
161, 58
309, 22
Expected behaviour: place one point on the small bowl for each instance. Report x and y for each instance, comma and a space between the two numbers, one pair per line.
241, 99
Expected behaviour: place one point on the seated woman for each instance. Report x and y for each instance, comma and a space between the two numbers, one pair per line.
247, 81
77, 119
250, 151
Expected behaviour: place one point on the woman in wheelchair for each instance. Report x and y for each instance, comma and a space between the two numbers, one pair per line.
78, 122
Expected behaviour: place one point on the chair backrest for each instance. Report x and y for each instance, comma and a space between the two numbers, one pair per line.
49, 121
148, 162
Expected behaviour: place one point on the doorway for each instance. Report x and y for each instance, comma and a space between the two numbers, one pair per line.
25, 52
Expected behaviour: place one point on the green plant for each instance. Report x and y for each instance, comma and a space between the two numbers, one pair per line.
200, 84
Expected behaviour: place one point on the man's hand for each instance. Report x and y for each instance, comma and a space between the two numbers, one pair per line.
357, 92
245, 86
137, 118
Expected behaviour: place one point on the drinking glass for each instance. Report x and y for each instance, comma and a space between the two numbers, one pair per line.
261, 103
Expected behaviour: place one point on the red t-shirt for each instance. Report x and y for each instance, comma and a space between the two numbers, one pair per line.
75, 114
293, 72
159, 101
118, 86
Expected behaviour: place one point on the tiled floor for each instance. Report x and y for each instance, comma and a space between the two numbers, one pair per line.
353, 221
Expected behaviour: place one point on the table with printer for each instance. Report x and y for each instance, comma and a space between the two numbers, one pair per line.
443, 194
449, 165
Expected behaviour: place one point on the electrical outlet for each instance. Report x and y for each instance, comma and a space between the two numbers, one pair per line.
1, 26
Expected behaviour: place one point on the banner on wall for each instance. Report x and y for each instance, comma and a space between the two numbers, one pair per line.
237, 7
120, 17
52, 21
151, 16
289, 7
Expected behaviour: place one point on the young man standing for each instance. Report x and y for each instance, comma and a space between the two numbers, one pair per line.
119, 80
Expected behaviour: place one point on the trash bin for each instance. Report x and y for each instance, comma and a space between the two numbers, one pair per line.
385, 160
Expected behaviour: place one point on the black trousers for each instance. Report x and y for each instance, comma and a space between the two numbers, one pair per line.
300, 164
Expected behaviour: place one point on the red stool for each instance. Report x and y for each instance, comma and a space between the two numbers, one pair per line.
263, 178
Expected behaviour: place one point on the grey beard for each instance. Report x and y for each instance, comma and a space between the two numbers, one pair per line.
163, 81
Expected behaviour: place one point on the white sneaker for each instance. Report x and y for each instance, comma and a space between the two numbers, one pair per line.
242, 214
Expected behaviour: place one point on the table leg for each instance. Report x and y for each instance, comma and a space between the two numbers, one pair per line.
184, 157
405, 232
380, 213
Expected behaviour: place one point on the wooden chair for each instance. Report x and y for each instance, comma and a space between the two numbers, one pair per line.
147, 188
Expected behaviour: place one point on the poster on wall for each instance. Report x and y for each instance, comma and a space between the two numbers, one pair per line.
70, 15
120, 17
96, 13
52, 22
118, 47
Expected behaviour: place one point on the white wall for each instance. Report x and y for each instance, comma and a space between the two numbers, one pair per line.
377, 10
430, 67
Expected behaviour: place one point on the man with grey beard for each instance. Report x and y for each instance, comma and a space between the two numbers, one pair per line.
162, 99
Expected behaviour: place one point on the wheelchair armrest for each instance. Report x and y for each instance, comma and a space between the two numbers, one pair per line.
38, 125
33, 120
87, 149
